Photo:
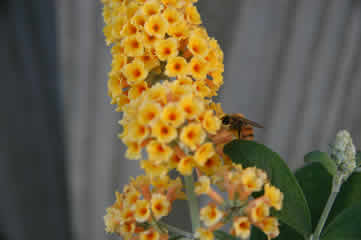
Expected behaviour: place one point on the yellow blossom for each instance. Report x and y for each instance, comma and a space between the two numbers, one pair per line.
151, 7
198, 45
211, 165
148, 112
160, 205
142, 211
176, 66
211, 123
112, 220
171, 15
135, 72
150, 61
166, 48
131, 198
127, 214
185, 166
204, 234
153, 169
139, 20
273, 196
210, 215
203, 185
163, 132
242, 227
172, 116
203, 153
137, 89
179, 30
192, 15
149, 235
149, 40
133, 46
269, 226
183, 80
192, 135
251, 181
129, 30
127, 229
158, 152
137, 132
133, 150
158, 93
156, 25
191, 106
258, 210
198, 68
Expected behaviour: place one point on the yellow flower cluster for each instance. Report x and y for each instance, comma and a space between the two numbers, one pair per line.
137, 211
171, 121
155, 40
242, 210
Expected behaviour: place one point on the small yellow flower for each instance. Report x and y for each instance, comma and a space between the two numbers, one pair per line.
163, 132
198, 45
151, 7
133, 150
142, 211
153, 169
178, 91
137, 132
191, 106
183, 80
149, 41
201, 88
149, 235
211, 165
129, 30
198, 68
131, 198
204, 234
192, 15
171, 15
150, 61
179, 30
158, 93
203, 153
131, 9
112, 220
176, 67
192, 135
135, 72
211, 215
148, 112
160, 182
174, 161
250, 181
269, 226
160, 205
115, 86
137, 89
119, 60
121, 101
166, 48
156, 26
139, 20
211, 123
242, 227
127, 229
185, 166
158, 152
127, 214
274, 196
258, 210
172, 116
203, 185
133, 46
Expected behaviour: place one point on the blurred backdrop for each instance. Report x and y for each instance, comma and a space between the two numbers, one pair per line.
293, 66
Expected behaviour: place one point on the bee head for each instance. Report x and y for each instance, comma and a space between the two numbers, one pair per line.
226, 120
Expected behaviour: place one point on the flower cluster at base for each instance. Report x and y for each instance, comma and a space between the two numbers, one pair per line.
137, 212
240, 209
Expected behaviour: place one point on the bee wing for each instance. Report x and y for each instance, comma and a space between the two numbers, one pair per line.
247, 121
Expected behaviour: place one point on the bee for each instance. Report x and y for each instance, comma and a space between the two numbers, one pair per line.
243, 127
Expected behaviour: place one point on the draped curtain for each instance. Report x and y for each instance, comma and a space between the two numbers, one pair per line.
293, 66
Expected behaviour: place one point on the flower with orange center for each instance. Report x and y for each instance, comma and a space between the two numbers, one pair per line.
153, 169
129, 30
158, 152
149, 41
202, 89
172, 116
158, 93
242, 227
183, 80
118, 62
148, 112
174, 161
156, 26
204, 234
142, 211
203, 153
150, 61
131, 198
112, 219
192, 15
257, 210
176, 66
133, 46
163, 132
151, 7
127, 229
192, 135
137, 132
251, 181
198, 68
191, 106
135, 72
198, 45
179, 30
171, 15
166, 48
137, 89
127, 214
115, 85
210, 215
185, 166
211, 123
269, 226
274, 196
149, 235
121, 101
139, 20
211, 165
131, 9
133, 150
160, 205
178, 91
203, 185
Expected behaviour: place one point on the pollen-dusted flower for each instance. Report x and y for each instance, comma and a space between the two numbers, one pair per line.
142, 211
185, 166
158, 152
192, 15
163, 132
242, 227
176, 66
172, 116
156, 25
269, 226
135, 72
274, 196
160, 205
166, 48
198, 45
148, 112
211, 215
198, 68
149, 235
203, 185
133, 46
203, 153
204, 234
192, 135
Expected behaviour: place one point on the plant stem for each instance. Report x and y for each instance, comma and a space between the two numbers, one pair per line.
192, 202
173, 229
336, 185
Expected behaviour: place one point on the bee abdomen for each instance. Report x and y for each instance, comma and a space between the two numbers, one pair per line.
247, 133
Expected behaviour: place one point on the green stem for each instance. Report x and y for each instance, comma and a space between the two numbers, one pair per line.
176, 230
336, 185
192, 202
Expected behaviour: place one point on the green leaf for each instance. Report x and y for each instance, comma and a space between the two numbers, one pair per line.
358, 158
295, 211
324, 159
177, 237
220, 235
345, 226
